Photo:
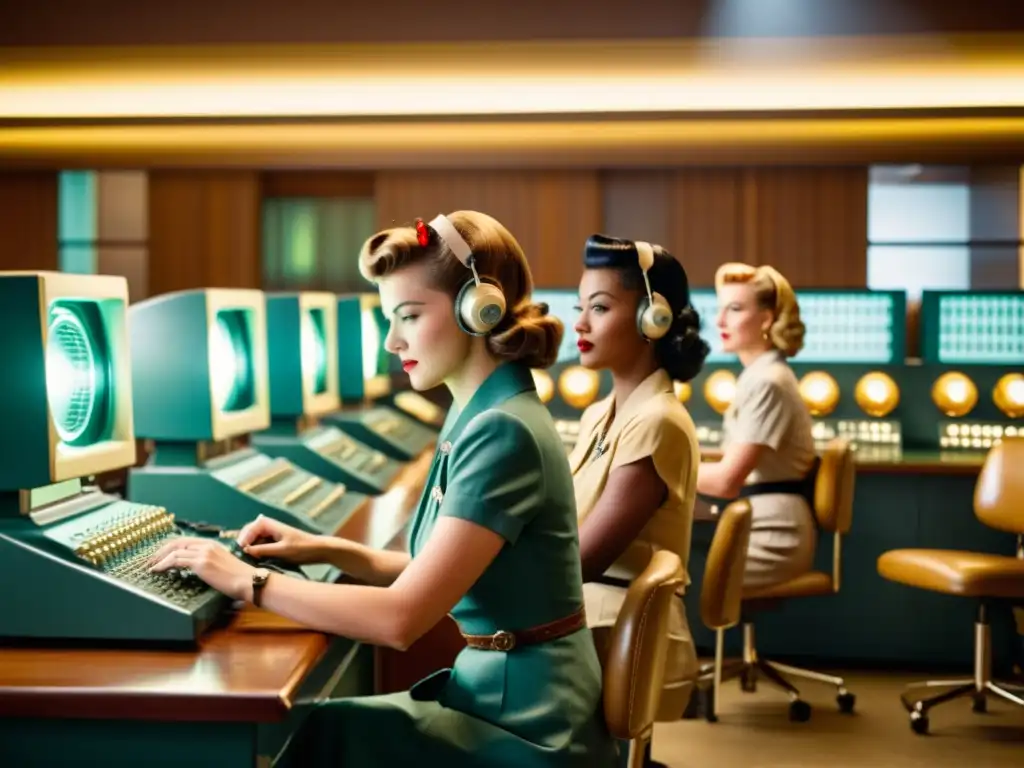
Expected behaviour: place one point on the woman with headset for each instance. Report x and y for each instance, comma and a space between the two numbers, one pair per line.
635, 463
768, 447
493, 541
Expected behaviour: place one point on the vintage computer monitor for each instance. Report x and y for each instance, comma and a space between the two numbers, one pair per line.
851, 368
302, 344
199, 376
972, 365
73, 559
409, 426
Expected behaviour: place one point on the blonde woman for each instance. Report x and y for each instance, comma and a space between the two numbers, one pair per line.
768, 449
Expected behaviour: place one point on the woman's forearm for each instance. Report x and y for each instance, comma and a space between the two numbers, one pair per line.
372, 566
364, 613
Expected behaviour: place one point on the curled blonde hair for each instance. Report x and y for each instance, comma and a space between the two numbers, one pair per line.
773, 292
526, 333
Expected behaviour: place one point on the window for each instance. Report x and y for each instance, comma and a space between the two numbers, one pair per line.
943, 227
76, 222
314, 243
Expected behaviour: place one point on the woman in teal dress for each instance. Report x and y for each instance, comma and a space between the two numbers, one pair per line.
494, 540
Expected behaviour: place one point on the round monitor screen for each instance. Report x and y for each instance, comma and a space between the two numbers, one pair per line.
229, 365
74, 380
314, 352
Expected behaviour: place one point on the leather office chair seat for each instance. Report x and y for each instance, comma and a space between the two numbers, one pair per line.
634, 659
999, 504
833, 509
721, 595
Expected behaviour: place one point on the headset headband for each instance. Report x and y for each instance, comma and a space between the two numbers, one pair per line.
645, 255
451, 237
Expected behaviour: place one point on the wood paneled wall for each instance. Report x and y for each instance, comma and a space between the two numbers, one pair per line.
551, 213
28, 220
204, 230
809, 223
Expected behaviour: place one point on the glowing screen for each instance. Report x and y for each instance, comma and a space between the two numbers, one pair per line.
75, 375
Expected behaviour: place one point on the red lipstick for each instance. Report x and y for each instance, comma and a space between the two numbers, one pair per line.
584, 345
408, 365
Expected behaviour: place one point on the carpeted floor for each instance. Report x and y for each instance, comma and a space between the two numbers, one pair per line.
754, 732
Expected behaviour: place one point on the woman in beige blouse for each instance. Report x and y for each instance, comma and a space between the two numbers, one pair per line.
768, 448
635, 464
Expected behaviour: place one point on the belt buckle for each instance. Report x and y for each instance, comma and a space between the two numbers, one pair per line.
503, 641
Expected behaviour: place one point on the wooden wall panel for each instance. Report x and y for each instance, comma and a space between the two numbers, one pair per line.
204, 230
812, 224
708, 223
551, 213
28, 220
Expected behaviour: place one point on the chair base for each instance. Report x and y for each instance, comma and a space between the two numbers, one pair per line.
980, 688
749, 669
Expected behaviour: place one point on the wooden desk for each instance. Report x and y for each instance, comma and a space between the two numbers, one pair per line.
964, 463
230, 703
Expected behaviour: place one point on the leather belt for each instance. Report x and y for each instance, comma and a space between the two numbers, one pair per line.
506, 641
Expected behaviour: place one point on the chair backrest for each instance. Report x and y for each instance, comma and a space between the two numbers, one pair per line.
721, 594
999, 493
638, 647
833, 488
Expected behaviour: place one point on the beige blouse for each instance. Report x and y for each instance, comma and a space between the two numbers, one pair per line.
652, 423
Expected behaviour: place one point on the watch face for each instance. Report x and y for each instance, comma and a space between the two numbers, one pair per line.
260, 575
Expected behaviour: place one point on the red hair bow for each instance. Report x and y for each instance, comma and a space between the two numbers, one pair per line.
422, 235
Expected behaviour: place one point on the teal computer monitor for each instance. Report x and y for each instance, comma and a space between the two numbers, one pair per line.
72, 555
399, 424
972, 350
200, 373
302, 340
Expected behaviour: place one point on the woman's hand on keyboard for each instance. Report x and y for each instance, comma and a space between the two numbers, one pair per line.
266, 537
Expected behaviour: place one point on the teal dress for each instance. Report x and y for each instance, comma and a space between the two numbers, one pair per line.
500, 464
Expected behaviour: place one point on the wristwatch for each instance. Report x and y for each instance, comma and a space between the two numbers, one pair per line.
259, 581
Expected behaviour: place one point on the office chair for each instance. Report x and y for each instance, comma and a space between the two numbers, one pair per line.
999, 504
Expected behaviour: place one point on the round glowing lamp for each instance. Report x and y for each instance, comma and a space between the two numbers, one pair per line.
954, 394
719, 390
820, 393
683, 391
877, 394
578, 386
1008, 395
545, 386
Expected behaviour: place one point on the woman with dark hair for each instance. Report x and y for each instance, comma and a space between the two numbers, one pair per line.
635, 464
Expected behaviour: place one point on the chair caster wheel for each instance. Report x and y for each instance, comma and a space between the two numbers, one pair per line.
799, 711
707, 705
692, 711
748, 681
979, 705
846, 702
919, 723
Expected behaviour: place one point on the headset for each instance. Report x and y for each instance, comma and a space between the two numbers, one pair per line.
654, 315
480, 304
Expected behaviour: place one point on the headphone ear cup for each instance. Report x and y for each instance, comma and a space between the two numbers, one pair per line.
479, 308
654, 318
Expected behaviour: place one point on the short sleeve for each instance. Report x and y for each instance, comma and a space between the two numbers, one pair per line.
495, 475
760, 415
664, 440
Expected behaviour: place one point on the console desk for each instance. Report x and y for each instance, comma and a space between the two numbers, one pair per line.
232, 702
